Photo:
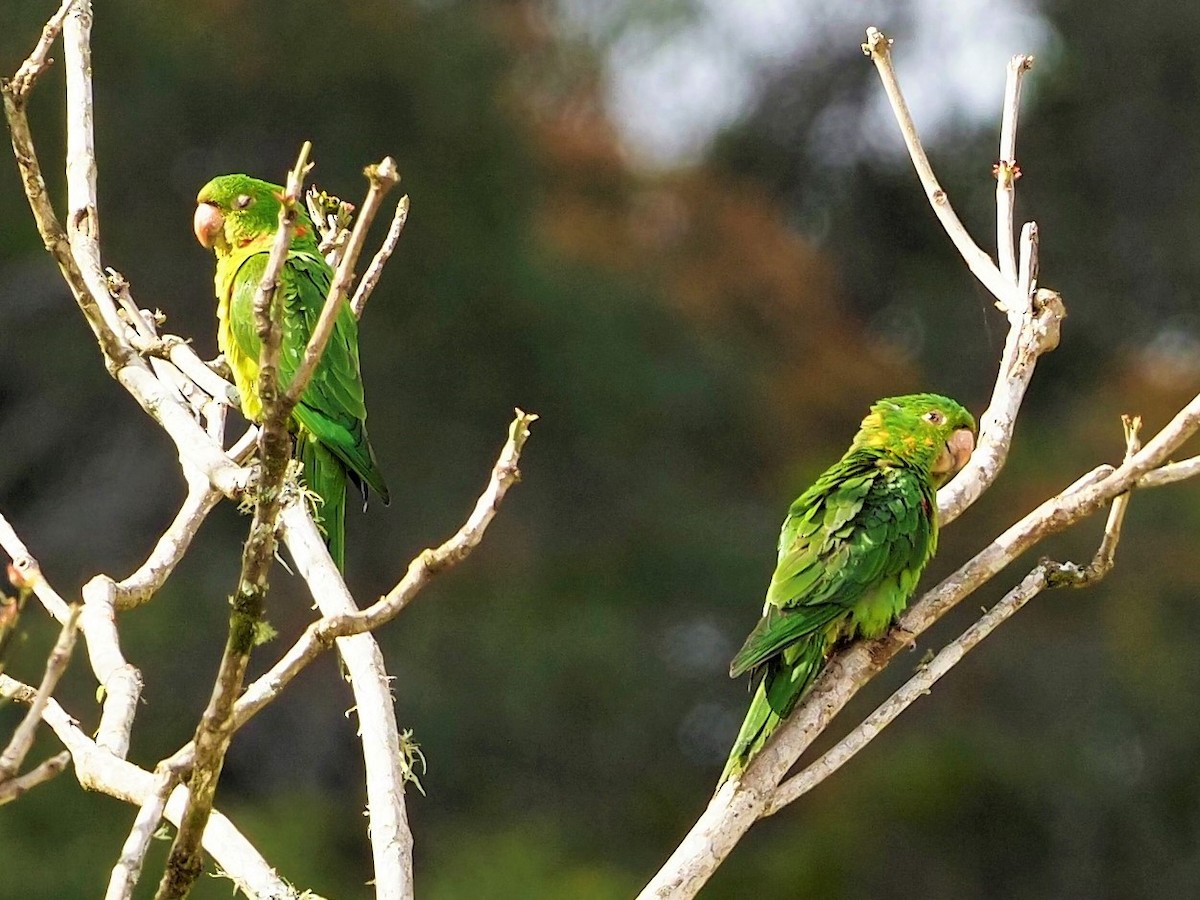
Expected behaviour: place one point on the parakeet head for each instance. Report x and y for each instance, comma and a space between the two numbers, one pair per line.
929, 431
237, 210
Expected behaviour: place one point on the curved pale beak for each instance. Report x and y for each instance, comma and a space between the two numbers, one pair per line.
955, 453
208, 223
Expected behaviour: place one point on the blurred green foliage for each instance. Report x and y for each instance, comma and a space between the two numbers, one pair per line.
698, 349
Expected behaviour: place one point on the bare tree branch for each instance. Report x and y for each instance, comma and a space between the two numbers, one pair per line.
1007, 170
366, 285
120, 682
171, 547
737, 805
29, 569
22, 740
382, 178
879, 48
15, 788
391, 839
128, 870
39, 60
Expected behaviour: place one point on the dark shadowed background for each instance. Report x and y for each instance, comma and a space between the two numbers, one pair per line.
688, 238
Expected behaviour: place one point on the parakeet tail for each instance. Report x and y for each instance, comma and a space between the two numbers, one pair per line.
325, 476
786, 680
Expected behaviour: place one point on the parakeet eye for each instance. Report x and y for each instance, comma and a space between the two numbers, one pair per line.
934, 416
243, 201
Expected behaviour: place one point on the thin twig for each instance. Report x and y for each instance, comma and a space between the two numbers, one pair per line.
1171, 473
1007, 170
128, 870
31, 572
170, 548
382, 178
371, 277
878, 48
18, 747
39, 60
14, 788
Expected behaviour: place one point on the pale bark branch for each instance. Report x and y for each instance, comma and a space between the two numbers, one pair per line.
737, 805
878, 48
145, 582
381, 178
29, 569
1171, 473
366, 284
128, 870
15, 788
389, 834
22, 740
1007, 170
39, 60
120, 682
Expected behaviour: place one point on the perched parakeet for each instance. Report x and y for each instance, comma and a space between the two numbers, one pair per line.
237, 216
850, 553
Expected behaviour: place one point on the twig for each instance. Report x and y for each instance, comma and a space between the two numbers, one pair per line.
99, 770
1171, 473
878, 48
18, 747
382, 177
170, 548
214, 732
1007, 170
29, 569
128, 869
39, 60
14, 788
1033, 321
371, 277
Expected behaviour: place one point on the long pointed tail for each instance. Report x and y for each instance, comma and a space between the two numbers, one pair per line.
787, 678
325, 476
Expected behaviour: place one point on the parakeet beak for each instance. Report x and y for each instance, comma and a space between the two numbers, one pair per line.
955, 454
208, 223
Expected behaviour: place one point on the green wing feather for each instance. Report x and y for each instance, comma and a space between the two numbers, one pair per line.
850, 552
332, 438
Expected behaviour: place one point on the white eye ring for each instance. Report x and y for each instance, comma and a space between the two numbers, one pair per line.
934, 416
243, 201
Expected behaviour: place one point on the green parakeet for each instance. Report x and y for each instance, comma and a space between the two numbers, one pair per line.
237, 216
850, 553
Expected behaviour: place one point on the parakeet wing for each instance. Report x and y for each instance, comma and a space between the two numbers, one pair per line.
332, 408
850, 534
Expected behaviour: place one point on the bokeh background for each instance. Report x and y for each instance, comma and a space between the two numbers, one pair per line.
686, 234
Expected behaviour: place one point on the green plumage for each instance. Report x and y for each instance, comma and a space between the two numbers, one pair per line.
237, 216
850, 553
